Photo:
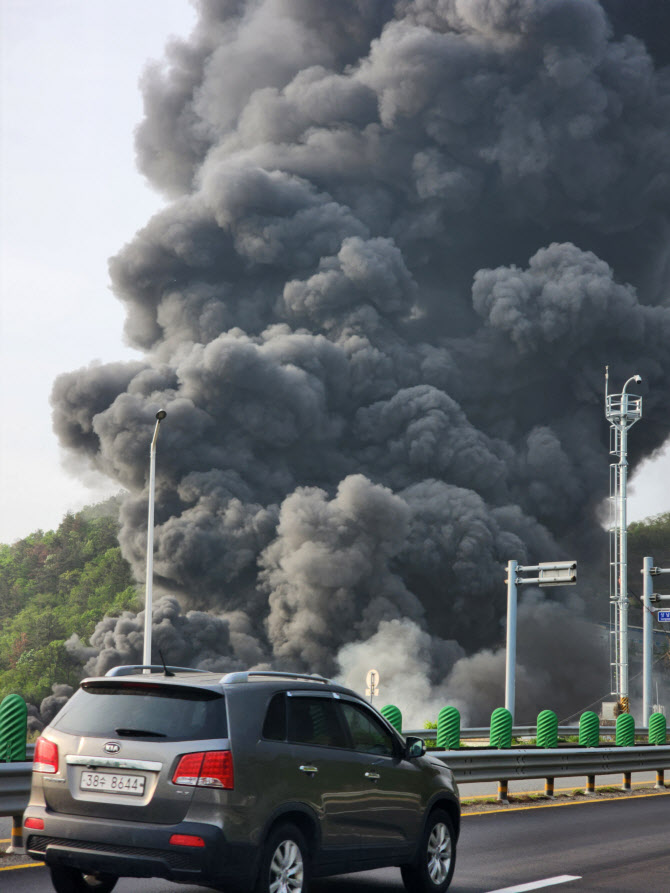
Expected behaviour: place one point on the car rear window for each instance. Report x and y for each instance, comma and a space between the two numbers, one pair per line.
144, 710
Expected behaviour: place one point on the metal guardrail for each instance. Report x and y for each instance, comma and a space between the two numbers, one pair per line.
496, 765
15, 784
468, 765
14, 787
517, 732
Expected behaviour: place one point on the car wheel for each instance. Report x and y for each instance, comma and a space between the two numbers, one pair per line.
433, 868
71, 880
284, 862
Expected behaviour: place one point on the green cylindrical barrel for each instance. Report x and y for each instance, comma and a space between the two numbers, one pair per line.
501, 728
449, 728
13, 729
393, 715
589, 729
657, 728
547, 729
625, 730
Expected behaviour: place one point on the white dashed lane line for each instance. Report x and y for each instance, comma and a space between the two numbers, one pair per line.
538, 885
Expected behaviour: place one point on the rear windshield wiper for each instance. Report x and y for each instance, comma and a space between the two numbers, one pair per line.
139, 733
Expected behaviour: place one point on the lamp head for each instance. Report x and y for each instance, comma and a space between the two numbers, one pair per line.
160, 415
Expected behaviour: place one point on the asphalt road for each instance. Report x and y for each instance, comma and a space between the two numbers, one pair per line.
614, 846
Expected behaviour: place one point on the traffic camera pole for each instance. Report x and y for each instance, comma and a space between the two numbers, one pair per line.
622, 411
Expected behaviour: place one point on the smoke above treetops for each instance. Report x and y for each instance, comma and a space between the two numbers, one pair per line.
401, 242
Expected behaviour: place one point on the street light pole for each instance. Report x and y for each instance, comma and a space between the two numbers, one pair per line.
146, 658
510, 655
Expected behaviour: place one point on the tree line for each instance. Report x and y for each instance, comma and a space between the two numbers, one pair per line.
55, 584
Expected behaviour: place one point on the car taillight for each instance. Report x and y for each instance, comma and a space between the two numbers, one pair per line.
37, 824
188, 770
46, 756
207, 769
186, 840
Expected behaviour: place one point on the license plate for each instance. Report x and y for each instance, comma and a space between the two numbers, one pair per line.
108, 783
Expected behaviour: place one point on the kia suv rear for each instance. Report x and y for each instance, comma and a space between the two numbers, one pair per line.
255, 780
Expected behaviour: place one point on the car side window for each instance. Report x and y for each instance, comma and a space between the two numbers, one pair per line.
367, 733
274, 726
315, 721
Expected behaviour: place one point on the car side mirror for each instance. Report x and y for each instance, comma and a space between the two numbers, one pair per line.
415, 747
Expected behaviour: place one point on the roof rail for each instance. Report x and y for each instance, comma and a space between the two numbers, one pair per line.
246, 675
130, 669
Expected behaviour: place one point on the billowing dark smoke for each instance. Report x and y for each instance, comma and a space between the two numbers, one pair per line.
402, 242
50, 705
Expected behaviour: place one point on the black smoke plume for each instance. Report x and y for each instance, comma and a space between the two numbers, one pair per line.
401, 241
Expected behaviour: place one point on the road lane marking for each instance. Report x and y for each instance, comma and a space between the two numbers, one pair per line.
465, 815
538, 885
28, 865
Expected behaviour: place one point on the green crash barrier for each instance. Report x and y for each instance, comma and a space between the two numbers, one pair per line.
547, 729
589, 729
657, 728
13, 729
625, 730
448, 729
501, 728
393, 715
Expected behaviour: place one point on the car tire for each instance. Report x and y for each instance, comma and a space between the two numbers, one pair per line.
433, 867
71, 880
284, 866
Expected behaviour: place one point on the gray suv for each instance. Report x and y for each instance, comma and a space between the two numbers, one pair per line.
250, 781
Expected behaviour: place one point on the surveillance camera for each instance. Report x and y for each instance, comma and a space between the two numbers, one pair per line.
637, 378
160, 415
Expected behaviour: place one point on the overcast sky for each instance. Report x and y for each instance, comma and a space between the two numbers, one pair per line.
70, 197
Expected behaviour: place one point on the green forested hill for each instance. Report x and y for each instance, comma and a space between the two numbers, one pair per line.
52, 585
649, 537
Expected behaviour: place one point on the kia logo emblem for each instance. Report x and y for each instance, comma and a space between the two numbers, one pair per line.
112, 747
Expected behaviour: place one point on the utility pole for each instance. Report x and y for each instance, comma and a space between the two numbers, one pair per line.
650, 603
622, 411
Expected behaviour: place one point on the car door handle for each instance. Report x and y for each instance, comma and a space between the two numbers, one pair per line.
310, 770
374, 776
